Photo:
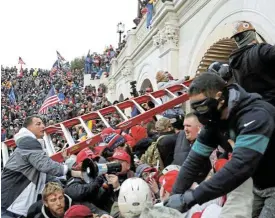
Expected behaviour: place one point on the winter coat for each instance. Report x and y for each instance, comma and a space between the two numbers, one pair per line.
251, 122
25, 173
253, 68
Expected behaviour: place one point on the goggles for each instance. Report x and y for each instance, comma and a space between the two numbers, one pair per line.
205, 105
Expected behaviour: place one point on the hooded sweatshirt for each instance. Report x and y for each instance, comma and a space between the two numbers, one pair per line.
24, 174
253, 68
251, 123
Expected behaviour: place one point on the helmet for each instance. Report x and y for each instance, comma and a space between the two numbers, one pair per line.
242, 26
170, 168
221, 70
214, 67
134, 196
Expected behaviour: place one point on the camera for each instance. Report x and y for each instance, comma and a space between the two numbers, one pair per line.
134, 89
92, 169
133, 83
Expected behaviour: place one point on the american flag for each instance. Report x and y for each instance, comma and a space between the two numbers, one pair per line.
59, 57
55, 68
20, 61
51, 100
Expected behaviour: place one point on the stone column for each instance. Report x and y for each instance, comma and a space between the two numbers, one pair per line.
111, 94
167, 41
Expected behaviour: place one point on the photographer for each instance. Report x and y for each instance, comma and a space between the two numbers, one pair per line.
109, 195
84, 189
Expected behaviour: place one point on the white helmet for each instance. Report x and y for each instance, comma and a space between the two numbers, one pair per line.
170, 168
134, 196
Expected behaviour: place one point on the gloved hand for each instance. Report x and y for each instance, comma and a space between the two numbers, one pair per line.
181, 202
99, 180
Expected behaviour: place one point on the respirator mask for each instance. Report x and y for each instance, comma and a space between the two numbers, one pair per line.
207, 109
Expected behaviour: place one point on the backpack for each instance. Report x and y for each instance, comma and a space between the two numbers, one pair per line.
152, 155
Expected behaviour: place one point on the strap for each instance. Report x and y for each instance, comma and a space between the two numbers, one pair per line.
159, 138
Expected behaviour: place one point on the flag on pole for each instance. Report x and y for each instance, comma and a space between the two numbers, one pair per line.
20, 61
51, 100
59, 57
20, 74
55, 68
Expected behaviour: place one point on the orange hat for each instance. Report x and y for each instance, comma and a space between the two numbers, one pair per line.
242, 26
168, 180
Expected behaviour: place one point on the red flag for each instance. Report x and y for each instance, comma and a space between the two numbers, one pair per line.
21, 61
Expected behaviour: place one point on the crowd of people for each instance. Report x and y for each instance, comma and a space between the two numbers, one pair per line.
214, 162
22, 96
99, 64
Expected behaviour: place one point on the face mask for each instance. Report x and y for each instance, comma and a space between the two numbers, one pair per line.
207, 111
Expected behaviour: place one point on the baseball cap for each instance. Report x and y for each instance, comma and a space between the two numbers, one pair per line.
168, 180
85, 153
121, 155
78, 211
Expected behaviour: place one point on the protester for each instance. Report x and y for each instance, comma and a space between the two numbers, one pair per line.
164, 82
253, 122
252, 64
27, 170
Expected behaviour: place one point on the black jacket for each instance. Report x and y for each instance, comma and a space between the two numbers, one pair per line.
141, 146
166, 147
80, 191
253, 68
107, 196
182, 149
251, 123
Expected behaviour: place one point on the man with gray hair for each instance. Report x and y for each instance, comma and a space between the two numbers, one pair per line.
252, 64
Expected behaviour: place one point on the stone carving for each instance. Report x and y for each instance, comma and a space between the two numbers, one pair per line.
111, 86
141, 33
157, 40
168, 35
171, 34
127, 71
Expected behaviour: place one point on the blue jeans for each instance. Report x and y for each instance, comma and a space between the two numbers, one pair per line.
149, 15
87, 68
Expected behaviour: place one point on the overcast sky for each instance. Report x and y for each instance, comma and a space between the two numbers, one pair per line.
35, 29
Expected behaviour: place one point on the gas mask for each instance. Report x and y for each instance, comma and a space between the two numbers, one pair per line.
207, 111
